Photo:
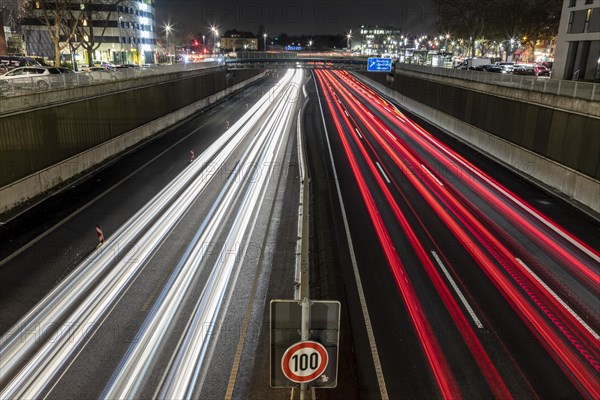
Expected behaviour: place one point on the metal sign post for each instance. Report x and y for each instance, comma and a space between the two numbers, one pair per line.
304, 344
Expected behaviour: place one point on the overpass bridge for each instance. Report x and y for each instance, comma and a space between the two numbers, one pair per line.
284, 60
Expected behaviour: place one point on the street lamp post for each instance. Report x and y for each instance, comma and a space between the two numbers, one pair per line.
215, 33
265, 41
348, 37
310, 47
167, 31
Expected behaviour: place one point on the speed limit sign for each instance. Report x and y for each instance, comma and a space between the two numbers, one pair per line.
297, 360
304, 361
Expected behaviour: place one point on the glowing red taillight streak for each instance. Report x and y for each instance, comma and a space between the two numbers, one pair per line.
430, 143
435, 357
508, 258
492, 376
525, 309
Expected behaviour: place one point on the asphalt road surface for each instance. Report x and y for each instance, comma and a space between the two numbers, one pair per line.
457, 278
476, 283
162, 308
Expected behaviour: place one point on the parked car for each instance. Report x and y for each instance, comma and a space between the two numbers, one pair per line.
40, 78
100, 74
540, 70
505, 67
492, 68
104, 64
524, 69
8, 63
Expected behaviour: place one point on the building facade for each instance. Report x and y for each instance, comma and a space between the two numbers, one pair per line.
116, 31
235, 41
577, 55
380, 40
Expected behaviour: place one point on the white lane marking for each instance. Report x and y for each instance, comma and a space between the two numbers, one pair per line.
382, 172
432, 175
565, 305
359, 287
391, 134
528, 208
346, 112
358, 132
457, 290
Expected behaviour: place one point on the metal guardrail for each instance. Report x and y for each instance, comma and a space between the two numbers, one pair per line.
575, 89
44, 83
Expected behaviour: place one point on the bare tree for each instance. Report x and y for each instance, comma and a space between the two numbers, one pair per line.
465, 18
55, 16
93, 20
541, 23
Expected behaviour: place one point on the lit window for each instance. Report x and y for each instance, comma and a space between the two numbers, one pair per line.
588, 16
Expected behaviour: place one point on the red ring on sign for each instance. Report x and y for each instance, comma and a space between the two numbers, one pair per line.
285, 361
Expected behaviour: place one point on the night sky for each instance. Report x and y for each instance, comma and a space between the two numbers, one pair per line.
297, 17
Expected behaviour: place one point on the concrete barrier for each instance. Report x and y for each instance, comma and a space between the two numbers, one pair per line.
567, 182
48, 178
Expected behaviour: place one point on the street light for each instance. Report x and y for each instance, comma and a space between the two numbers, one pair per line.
168, 29
310, 47
348, 37
265, 40
215, 33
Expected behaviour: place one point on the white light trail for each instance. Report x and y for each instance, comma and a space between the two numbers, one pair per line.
40, 359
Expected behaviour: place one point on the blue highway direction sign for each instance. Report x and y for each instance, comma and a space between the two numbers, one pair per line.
376, 64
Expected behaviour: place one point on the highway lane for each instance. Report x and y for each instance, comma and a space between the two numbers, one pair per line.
491, 298
212, 218
42, 245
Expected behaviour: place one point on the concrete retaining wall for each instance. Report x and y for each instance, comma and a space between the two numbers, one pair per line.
576, 185
73, 138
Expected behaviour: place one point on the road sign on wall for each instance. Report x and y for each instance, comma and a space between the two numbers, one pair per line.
379, 64
313, 361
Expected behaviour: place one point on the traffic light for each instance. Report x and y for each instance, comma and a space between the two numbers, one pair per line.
196, 43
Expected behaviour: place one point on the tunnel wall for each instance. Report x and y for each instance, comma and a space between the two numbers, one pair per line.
555, 147
43, 146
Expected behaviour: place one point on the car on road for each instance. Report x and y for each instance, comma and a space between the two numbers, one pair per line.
40, 78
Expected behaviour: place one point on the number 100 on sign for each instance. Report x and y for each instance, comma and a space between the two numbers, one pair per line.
304, 362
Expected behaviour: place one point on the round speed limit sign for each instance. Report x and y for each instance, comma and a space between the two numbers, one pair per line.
304, 361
